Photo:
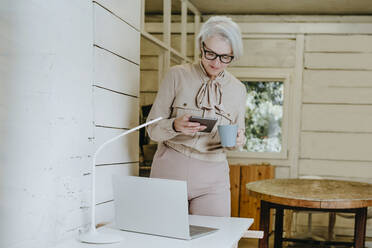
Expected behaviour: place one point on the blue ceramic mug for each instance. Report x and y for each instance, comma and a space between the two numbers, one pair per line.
228, 135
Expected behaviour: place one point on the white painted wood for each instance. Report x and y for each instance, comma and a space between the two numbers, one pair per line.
167, 14
193, 8
295, 112
129, 11
46, 119
337, 118
282, 28
149, 81
278, 53
105, 213
282, 171
147, 98
196, 33
338, 146
353, 87
230, 230
183, 42
253, 234
143, 14
114, 110
345, 61
335, 168
124, 150
115, 35
338, 43
114, 73
252, 74
104, 188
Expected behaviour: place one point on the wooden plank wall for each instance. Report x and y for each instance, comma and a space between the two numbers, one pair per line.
336, 123
150, 62
115, 95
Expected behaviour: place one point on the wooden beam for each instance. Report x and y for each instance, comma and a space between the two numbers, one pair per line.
297, 106
167, 12
184, 28
143, 15
196, 32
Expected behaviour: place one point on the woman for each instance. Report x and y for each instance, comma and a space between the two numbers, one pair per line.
203, 89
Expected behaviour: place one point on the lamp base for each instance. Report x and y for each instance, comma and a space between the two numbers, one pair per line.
94, 237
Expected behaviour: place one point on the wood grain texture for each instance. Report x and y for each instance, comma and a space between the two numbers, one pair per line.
235, 189
336, 118
332, 194
250, 206
336, 146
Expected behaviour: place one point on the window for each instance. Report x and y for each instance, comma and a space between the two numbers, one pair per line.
266, 114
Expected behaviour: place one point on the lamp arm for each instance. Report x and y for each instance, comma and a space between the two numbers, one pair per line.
93, 193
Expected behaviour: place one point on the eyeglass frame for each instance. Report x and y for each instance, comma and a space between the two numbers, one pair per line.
216, 55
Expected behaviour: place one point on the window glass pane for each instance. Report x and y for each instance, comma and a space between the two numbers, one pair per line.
263, 117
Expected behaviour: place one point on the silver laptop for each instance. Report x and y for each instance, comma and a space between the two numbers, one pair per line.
154, 206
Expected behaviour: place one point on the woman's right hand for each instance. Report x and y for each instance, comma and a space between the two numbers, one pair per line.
183, 125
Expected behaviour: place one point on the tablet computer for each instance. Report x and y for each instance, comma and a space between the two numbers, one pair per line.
209, 122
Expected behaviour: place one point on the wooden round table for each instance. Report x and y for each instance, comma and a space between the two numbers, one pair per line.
311, 194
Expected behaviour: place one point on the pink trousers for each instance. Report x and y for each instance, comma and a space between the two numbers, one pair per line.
208, 183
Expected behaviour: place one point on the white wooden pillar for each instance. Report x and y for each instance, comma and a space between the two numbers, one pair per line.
184, 29
143, 15
167, 13
297, 103
196, 32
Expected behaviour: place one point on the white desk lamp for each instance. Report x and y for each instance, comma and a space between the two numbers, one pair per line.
93, 236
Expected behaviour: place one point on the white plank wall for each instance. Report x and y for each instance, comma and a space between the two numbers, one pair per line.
336, 123
348, 61
46, 120
104, 179
337, 86
115, 95
125, 10
115, 73
123, 150
115, 35
337, 146
114, 110
268, 53
337, 118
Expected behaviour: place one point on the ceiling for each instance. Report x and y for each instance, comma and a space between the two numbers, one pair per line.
299, 7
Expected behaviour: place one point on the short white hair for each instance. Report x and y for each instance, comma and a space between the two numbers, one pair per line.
226, 28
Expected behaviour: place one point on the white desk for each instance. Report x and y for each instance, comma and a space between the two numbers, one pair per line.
230, 231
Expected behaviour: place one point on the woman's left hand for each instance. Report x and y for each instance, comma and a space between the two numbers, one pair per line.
240, 138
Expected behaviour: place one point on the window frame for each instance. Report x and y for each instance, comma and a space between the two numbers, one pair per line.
245, 74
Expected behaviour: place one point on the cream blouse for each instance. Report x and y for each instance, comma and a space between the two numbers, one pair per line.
186, 89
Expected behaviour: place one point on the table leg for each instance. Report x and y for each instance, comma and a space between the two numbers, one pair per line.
360, 227
278, 227
264, 224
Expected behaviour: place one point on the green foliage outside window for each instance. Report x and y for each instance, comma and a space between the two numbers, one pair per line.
263, 116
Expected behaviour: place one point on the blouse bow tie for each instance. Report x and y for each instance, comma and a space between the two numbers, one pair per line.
209, 98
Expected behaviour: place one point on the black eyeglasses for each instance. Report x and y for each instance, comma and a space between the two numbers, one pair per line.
210, 55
